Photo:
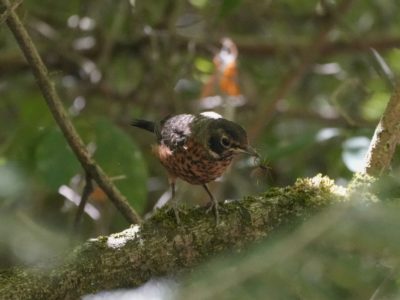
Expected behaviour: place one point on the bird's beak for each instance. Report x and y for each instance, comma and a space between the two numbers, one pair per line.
249, 150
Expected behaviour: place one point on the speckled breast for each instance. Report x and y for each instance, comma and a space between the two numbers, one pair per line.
192, 163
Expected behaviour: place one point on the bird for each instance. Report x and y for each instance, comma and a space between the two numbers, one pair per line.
196, 148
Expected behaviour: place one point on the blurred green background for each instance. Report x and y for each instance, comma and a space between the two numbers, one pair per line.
112, 61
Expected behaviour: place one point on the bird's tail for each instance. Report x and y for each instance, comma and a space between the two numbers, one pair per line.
146, 125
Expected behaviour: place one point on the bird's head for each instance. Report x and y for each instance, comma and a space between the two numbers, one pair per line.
226, 138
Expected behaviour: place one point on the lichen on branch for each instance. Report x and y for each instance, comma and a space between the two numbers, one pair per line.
159, 247
386, 137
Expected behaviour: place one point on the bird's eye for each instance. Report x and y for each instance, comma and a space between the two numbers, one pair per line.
225, 141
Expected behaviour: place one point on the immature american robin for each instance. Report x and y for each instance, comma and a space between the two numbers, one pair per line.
196, 148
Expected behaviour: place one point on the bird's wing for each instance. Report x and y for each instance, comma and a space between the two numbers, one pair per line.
174, 131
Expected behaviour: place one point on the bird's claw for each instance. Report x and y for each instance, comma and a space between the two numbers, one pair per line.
176, 211
214, 206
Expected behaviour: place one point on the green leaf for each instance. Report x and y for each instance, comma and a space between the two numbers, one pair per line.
153, 12
55, 162
34, 119
204, 65
228, 6
199, 3
375, 105
13, 183
125, 74
119, 156
115, 152
55, 10
394, 60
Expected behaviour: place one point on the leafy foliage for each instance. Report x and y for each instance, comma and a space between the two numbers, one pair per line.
55, 162
349, 250
115, 60
341, 260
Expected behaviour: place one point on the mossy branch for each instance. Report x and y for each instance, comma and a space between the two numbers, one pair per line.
57, 109
386, 137
158, 247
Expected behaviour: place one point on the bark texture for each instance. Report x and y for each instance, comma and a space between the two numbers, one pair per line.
386, 137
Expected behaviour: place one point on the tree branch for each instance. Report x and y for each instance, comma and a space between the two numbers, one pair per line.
386, 137
9, 10
87, 190
252, 46
158, 247
247, 45
56, 107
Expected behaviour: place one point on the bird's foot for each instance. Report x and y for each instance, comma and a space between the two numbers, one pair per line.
215, 207
177, 211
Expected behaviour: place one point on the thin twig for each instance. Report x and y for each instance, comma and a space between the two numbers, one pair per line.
383, 68
388, 279
251, 46
343, 87
87, 190
309, 56
386, 137
254, 47
337, 121
7, 12
111, 34
57, 109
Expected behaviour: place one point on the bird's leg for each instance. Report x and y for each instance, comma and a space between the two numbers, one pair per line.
174, 202
214, 204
